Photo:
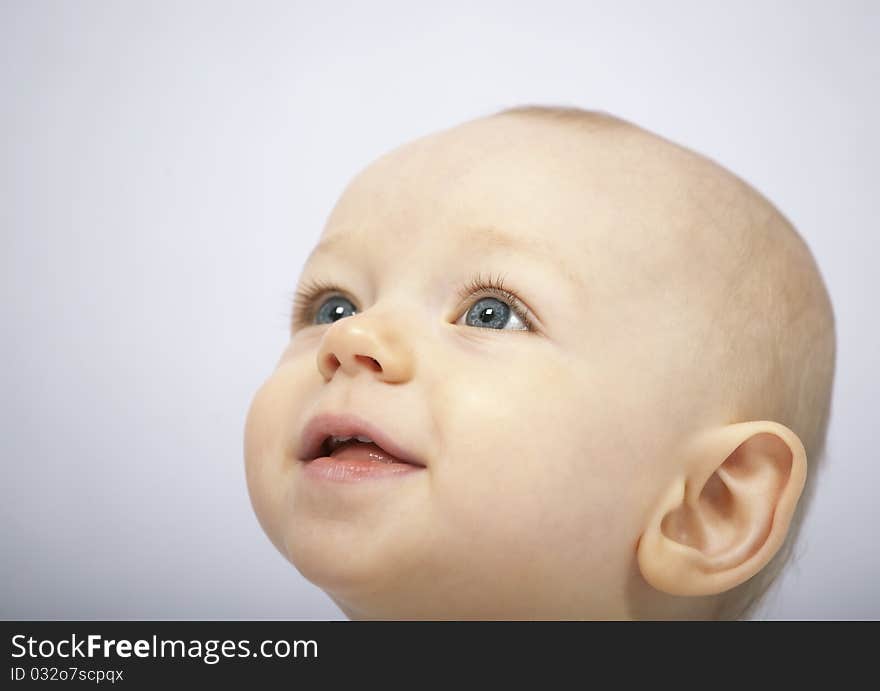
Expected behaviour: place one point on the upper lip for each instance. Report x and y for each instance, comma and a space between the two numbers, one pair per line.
347, 425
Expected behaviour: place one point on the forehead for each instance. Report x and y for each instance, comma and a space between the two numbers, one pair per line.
587, 202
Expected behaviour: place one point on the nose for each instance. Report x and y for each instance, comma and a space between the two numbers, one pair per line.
365, 342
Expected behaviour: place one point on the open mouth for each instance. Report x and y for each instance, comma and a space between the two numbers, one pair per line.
360, 448
352, 439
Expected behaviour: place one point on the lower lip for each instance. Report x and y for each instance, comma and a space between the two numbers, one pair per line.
357, 466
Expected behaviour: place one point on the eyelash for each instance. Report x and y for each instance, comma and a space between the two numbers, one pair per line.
494, 287
305, 299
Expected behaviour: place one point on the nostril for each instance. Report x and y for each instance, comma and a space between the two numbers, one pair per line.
369, 362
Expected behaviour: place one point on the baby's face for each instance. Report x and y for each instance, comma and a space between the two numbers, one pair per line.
546, 423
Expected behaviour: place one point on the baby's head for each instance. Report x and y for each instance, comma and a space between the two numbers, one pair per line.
608, 360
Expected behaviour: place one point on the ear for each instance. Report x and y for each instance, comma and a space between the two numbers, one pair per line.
725, 516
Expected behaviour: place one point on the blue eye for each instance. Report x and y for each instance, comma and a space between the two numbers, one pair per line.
500, 310
334, 309
492, 313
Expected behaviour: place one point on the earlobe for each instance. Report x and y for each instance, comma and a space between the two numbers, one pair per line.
727, 514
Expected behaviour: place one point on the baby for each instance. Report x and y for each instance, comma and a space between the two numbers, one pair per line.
546, 365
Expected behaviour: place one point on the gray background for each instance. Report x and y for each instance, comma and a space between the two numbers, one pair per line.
166, 167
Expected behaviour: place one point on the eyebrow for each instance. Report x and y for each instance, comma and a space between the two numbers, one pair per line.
488, 237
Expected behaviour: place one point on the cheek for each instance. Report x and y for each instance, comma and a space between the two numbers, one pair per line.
519, 457
265, 452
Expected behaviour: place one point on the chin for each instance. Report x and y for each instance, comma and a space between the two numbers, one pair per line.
339, 559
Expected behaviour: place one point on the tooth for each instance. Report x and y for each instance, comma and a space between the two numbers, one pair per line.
363, 438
